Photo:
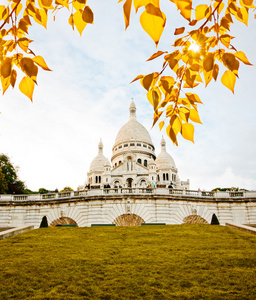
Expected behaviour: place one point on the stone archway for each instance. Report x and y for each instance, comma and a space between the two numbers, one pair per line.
63, 221
194, 219
128, 220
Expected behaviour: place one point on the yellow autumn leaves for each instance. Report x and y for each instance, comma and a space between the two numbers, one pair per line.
202, 50
152, 19
198, 57
15, 52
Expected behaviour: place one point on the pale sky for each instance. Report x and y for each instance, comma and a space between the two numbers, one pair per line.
54, 139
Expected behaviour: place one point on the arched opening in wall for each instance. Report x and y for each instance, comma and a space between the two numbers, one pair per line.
129, 182
143, 183
117, 183
63, 221
194, 219
128, 220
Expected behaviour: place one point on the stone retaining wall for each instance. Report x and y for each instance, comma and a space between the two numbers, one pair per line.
14, 231
245, 228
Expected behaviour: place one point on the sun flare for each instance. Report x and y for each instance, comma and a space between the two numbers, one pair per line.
194, 47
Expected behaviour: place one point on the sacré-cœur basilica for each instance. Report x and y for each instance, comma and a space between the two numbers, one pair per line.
134, 161
138, 187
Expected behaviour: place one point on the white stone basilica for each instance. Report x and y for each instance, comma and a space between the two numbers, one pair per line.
134, 162
136, 192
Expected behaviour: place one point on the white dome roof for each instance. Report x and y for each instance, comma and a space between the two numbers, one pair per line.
99, 161
164, 159
133, 130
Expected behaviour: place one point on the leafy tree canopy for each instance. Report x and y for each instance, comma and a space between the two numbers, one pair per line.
42, 191
202, 51
67, 189
228, 189
9, 181
3, 183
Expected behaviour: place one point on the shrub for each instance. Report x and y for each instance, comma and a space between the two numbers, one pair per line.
215, 220
44, 222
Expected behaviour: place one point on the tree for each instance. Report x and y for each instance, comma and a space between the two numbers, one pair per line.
42, 191
44, 222
215, 220
3, 183
202, 51
67, 189
11, 183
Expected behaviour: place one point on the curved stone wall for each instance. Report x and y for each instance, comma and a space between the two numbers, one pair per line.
122, 209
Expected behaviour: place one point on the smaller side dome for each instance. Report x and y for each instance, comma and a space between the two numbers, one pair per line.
164, 160
99, 161
107, 163
151, 162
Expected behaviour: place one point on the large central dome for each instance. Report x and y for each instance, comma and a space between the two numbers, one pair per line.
133, 162
133, 130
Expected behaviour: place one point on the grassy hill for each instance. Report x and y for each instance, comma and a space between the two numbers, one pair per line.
147, 262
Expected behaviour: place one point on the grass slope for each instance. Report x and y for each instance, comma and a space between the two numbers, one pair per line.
147, 262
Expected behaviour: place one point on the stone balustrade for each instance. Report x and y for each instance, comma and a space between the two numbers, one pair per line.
135, 191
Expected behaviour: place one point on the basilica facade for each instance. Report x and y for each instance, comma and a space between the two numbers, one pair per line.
134, 163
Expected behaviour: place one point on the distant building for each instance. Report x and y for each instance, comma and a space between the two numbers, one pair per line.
134, 162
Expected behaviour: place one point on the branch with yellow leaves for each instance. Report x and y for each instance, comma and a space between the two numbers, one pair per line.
194, 61
15, 37
196, 56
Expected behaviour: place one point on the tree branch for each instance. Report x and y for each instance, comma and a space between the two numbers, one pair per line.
10, 14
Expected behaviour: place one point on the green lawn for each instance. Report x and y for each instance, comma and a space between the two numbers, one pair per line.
147, 262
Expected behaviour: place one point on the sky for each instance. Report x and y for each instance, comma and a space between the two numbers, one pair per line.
87, 96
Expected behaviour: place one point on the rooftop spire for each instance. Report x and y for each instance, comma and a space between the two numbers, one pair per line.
163, 144
100, 147
132, 109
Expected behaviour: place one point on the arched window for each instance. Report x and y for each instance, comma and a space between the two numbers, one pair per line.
163, 176
117, 184
167, 176
139, 160
96, 179
143, 183
99, 179
145, 163
158, 178
119, 162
